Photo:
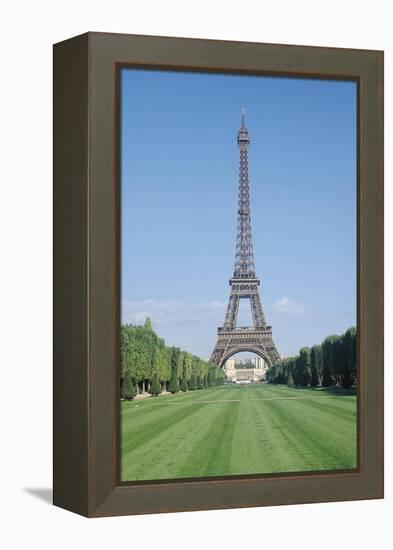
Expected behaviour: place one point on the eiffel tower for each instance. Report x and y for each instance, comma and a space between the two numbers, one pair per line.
244, 283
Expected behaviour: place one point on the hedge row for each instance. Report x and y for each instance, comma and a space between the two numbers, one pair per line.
333, 363
147, 364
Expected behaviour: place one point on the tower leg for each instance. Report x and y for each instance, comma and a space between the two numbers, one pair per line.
232, 311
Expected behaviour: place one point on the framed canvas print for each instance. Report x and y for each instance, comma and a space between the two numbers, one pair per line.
218, 274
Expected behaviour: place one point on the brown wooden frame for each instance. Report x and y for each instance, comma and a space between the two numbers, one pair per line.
86, 273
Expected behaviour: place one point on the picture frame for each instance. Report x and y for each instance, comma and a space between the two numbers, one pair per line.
87, 273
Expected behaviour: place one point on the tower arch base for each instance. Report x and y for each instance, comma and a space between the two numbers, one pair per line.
254, 340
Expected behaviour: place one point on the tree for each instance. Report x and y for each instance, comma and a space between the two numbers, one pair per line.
271, 374
282, 377
331, 363
328, 361
128, 389
147, 325
173, 386
167, 365
215, 376
155, 388
140, 352
187, 366
347, 380
183, 385
199, 383
192, 383
144, 354
162, 361
305, 366
339, 360
297, 371
316, 365
125, 350
349, 344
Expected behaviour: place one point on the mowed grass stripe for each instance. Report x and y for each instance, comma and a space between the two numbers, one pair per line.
345, 411
169, 452
213, 394
244, 400
255, 429
210, 452
265, 435
309, 440
140, 407
138, 431
257, 448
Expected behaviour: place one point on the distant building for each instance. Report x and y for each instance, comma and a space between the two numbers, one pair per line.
258, 362
236, 372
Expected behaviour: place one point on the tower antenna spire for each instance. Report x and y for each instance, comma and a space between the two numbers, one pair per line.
244, 283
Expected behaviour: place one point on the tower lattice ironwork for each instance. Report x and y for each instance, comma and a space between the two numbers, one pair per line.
244, 283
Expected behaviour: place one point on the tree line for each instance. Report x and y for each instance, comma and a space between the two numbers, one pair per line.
148, 365
333, 363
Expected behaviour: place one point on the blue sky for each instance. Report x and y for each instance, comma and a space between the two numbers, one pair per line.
179, 176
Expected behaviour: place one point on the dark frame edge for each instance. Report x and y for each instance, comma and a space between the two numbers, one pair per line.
70, 274
371, 264
108, 51
92, 488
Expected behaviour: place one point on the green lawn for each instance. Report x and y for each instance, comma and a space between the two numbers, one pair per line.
234, 430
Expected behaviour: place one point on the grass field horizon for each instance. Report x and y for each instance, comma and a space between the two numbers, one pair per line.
232, 430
